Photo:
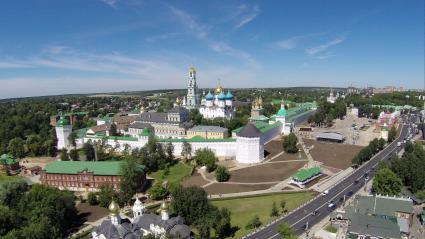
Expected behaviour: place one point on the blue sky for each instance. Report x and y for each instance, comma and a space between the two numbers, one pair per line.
81, 46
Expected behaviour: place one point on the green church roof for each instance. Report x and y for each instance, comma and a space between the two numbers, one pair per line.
282, 112
146, 132
62, 122
110, 168
306, 173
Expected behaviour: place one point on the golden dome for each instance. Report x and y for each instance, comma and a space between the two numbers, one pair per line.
178, 100
142, 109
218, 90
192, 68
114, 208
164, 206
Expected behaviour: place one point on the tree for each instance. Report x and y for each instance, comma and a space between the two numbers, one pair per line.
386, 182
72, 137
186, 152
392, 134
169, 149
89, 151
92, 198
64, 155
12, 192
381, 143
222, 174
253, 223
274, 212
74, 155
206, 157
113, 130
16, 147
221, 223
283, 205
158, 191
290, 143
191, 203
131, 179
286, 231
106, 194
8, 219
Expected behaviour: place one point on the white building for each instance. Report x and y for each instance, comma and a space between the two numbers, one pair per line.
63, 130
191, 101
332, 98
219, 105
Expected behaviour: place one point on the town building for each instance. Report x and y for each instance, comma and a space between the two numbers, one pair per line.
387, 90
9, 164
72, 116
63, 130
377, 217
191, 100
217, 105
141, 224
331, 137
84, 175
305, 175
384, 132
332, 97
257, 111
207, 132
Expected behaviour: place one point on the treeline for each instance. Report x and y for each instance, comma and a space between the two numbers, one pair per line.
327, 112
411, 167
240, 119
37, 212
367, 152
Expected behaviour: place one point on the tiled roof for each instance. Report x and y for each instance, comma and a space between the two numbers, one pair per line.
198, 139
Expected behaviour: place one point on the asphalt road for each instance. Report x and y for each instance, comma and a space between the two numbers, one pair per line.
303, 217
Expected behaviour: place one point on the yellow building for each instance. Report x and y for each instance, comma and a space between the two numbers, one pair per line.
207, 132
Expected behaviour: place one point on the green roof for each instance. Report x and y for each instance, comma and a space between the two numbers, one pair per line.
81, 132
111, 168
282, 112
259, 118
306, 173
125, 138
7, 159
62, 122
262, 126
74, 113
198, 139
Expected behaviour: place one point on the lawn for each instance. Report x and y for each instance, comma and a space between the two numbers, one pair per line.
176, 173
243, 209
6, 178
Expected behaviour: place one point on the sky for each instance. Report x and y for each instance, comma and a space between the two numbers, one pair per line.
50, 47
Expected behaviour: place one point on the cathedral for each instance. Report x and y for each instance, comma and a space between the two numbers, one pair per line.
218, 104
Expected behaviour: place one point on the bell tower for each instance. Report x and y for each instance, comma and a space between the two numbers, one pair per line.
192, 99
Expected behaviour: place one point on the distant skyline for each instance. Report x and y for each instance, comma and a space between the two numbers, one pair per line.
51, 47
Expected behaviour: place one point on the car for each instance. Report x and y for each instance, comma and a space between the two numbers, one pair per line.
367, 178
331, 205
356, 181
350, 193
326, 192
314, 213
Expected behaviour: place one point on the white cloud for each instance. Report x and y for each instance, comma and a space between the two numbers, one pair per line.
245, 14
202, 32
111, 3
288, 44
325, 46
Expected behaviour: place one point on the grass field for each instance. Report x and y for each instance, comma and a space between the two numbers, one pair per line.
6, 178
243, 209
176, 173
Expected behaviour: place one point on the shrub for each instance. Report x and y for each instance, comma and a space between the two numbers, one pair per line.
253, 223
222, 174
92, 198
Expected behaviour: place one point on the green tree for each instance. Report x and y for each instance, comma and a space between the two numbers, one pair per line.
253, 223
283, 205
186, 152
106, 194
206, 157
74, 155
12, 192
290, 143
92, 198
158, 191
64, 155
386, 182
221, 223
16, 147
131, 179
381, 143
222, 174
274, 212
286, 231
89, 151
72, 137
8, 220
392, 134
191, 203
169, 149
